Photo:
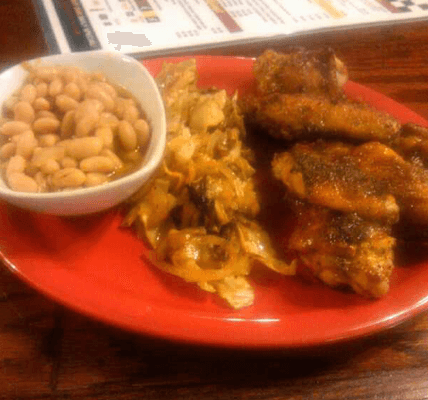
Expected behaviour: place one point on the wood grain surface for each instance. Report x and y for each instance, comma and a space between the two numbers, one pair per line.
49, 352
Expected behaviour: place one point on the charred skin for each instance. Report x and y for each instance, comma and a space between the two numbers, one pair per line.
350, 199
295, 117
344, 250
328, 174
355, 174
299, 96
317, 72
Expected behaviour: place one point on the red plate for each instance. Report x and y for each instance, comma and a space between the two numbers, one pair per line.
98, 268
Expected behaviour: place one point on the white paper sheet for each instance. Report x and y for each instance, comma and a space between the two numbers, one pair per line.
164, 26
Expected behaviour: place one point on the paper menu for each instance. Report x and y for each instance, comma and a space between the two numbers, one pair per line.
140, 27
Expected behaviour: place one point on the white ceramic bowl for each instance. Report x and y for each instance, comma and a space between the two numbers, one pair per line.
134, 77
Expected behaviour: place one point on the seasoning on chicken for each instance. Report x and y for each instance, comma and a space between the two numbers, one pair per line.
369, 186
406, 181
357, 176
344, 250
370, 179
331, 174
299, 96
317, 72
303, 117
198, 212
412, 144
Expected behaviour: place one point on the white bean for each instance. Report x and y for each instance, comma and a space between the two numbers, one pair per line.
95, 179
42, 89
45, 114
68, 124
69, 162
90, 106
65, 103
116, 159
127, 136
142, 129
97, 164
108, 119
131, 114
46, 125
22, 183
28, 93
47, 73
40, 154
7, 150
71, 74
16, 164
49, 166
83, 84
121, 104
68, 178
24, 112
85, 125
48, 140
94, 91
109, 89
106, 135
80, 148
55, 87
40, 179
73, 90
26, 144
12, 128
41, 104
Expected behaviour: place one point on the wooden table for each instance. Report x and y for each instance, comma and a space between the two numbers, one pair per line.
49, 352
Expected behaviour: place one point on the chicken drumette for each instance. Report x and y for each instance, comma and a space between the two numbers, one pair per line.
299, 96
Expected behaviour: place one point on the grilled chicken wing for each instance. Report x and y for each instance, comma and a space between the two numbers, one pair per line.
344, 249
371, 180
406, 181
299, 96
330, 175
303, 117
412, 143
300, 71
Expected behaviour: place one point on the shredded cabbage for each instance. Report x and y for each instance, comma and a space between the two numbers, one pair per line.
198, 213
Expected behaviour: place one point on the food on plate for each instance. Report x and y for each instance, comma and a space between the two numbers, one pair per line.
299, 96
199, 212
317, 72
66, 128
343, 249
354, 176
344, 214
334, 175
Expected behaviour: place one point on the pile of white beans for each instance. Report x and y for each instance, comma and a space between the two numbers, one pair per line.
66, 128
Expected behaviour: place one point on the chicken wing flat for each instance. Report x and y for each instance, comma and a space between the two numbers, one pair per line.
300, 71
344, 249
406, 181
370, 179
329, 174
304, 117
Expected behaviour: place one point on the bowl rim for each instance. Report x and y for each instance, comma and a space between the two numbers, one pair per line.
148, 165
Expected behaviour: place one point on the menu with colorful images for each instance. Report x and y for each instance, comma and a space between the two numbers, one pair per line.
140, 27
